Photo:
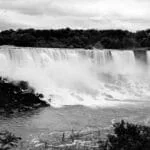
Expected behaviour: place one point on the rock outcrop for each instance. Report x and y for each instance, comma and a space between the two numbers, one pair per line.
18, 96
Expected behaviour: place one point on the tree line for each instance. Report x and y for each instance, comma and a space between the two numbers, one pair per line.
69, 38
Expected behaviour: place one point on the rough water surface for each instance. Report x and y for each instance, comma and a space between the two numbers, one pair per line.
86, 88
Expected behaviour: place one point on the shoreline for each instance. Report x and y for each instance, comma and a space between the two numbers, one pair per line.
18, 96
122, 135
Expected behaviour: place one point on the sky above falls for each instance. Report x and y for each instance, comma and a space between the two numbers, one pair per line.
77, 14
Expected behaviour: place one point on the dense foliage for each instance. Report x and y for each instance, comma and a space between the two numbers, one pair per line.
128, 136
18, 96
68, 38
8, 140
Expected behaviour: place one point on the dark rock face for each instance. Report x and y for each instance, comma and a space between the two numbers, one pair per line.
141, 56
18, 96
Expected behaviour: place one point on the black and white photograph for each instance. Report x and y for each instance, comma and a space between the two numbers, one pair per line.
74, 74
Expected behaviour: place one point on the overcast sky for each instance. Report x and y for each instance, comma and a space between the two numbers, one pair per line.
99, 14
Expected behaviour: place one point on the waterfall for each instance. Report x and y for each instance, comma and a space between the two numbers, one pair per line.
79, 77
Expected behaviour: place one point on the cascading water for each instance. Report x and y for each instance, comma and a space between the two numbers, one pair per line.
79, 77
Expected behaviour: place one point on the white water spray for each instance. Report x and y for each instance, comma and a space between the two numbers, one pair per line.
78, 77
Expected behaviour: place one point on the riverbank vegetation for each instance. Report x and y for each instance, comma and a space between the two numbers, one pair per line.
18, 96
124, 136
69, 38
8, 140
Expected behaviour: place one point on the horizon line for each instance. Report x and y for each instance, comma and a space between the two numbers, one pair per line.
146, 29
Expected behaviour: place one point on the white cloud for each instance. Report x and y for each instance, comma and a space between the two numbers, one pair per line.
100, 14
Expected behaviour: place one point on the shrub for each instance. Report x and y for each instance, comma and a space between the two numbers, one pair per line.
128, 136
8, 140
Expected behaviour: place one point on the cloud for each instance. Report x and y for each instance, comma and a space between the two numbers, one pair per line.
100, 14
7, 25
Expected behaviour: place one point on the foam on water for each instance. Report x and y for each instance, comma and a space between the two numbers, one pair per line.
79, 77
